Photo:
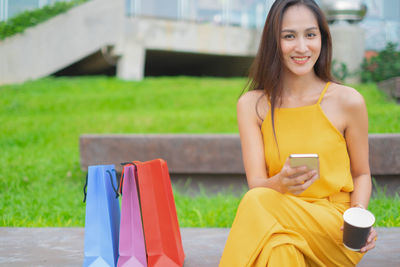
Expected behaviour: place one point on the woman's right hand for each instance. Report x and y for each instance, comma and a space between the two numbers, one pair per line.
297, 179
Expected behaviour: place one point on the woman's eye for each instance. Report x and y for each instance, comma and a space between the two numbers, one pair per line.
288, 36
311, 35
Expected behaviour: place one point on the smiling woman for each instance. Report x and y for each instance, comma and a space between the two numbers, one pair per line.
292, 215
300, 40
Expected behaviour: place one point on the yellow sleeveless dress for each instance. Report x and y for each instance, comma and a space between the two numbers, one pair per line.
274, 229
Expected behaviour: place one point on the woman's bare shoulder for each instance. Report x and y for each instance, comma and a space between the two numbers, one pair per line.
347, 96
251, 96
253, 103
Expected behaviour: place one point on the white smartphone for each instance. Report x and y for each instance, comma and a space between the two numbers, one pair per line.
309, 160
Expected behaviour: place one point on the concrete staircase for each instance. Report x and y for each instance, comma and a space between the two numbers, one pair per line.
82, 33
61, 41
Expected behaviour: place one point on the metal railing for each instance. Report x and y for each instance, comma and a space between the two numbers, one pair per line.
242, 13
379, 32
10, 8
3, 10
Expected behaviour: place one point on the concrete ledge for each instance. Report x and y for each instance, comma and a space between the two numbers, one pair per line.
214, 161
207, 153
384, 154
185, 154
203, 247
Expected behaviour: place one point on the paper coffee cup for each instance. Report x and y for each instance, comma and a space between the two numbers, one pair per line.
357, 225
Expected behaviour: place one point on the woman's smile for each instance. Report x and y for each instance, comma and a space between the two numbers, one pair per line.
301, 60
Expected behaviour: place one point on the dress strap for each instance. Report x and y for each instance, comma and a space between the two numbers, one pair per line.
323, 93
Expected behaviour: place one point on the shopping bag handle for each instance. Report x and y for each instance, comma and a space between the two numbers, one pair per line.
85, 188
121, 181
112, 183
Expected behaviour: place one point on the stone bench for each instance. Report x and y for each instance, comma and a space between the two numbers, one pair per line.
203, 247
391, 87
215, 159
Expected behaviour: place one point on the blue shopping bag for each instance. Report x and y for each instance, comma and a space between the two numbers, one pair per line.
102, 217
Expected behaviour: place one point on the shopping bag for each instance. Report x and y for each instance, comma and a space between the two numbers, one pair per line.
132, 251
160, 222
102, 218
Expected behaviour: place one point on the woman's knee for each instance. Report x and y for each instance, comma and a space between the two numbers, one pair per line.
263, 194
286, 255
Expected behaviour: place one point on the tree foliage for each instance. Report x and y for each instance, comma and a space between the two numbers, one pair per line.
383, 66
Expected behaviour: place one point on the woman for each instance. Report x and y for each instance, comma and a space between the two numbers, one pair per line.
293, 216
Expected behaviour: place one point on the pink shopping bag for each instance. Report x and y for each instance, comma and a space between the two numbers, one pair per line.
132, 251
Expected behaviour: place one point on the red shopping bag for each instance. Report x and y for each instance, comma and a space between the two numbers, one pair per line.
160, 222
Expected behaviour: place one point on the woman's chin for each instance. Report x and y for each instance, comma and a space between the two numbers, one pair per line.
301, 72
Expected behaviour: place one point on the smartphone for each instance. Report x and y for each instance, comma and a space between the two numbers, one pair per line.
309, 160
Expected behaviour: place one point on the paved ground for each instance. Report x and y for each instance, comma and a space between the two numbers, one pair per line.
203, 247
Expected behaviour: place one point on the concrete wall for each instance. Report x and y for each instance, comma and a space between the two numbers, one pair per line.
348, 42
141, 34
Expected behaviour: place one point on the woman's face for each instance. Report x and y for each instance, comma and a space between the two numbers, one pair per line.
300, 40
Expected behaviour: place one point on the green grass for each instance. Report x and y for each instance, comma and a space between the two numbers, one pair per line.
383, 112
385, 208
206, 210
41, 121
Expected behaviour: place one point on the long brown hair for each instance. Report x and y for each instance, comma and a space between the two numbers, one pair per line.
267, 68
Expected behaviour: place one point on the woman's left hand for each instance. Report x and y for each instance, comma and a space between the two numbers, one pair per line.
370, 241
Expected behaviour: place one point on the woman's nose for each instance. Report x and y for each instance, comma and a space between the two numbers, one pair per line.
301, 45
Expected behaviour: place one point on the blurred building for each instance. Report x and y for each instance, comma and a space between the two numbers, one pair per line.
137, 38
381, 24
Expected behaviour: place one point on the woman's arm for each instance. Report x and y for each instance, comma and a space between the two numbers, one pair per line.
356, 135
294, 180
252, 142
